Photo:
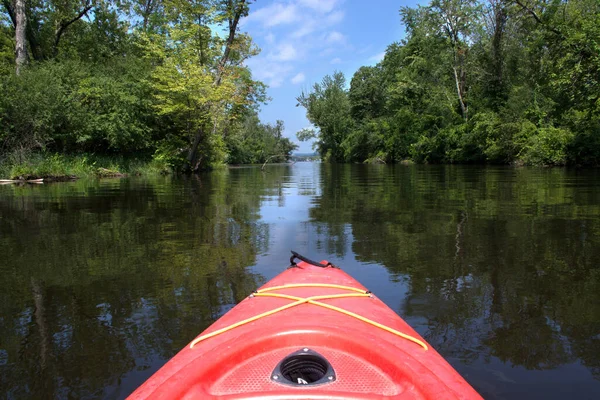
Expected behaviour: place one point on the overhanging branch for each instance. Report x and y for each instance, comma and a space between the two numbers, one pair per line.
65, 24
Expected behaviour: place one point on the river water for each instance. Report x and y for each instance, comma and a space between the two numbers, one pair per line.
498, 268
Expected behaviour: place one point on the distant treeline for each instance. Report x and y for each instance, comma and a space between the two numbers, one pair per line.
489, 81
143, 78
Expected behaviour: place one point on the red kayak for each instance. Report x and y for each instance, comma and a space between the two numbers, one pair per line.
312, 332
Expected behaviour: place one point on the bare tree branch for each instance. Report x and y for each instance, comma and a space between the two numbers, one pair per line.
234, 19
65, 24
537, 18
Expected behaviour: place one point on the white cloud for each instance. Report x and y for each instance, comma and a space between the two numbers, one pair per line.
335, 17
285, 52
313, 23
293, 31
323, 6
335, 37
273, 15
307, 28
309, 15
299, 78
271, 72
336, 60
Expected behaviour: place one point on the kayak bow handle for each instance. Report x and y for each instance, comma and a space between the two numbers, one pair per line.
308, 261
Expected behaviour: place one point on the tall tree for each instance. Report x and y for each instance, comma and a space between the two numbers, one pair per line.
328, 108
200, 78
456, 19
366, 93
20, 26
497, 17
231, 11
47, 22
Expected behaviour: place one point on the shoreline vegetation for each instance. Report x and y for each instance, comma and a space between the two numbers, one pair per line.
506, 82
103, 88
58, 168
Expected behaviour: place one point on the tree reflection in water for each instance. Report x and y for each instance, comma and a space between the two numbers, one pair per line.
500, 262
105, 281
108, 278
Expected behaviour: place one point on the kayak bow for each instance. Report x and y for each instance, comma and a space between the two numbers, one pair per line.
311, 332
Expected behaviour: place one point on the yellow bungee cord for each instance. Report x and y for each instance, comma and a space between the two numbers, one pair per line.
314, 300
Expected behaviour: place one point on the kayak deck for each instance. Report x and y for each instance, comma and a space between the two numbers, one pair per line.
367, 362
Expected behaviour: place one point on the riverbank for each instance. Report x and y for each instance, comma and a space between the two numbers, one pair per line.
57, 167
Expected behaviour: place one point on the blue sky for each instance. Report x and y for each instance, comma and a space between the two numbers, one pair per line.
304, 40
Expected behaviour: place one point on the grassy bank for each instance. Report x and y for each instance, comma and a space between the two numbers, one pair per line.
66, 167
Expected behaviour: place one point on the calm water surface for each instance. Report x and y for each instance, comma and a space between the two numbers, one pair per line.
498, 268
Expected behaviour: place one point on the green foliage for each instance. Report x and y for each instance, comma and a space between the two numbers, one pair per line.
306, 134
117, 107
58, 166
585, 147
130, 77
547, 147
474, 82
39, 106
364, 141
70, 106
328, 107
256, 142
366, 93
487, 138
7, 46
193, 84
39, 166
169, 152
438, 148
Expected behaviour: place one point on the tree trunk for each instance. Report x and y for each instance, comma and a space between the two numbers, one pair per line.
237, 9
459, 78
35, 52
20, 39
147, 10
497, 86
193, 153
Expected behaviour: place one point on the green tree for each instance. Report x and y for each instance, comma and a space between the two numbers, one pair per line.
47, 23
457, 20
255, 142
477, 81
131, 77
366, 94
200, 77
328, 108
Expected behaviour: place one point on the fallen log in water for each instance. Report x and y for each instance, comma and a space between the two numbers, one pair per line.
7, 181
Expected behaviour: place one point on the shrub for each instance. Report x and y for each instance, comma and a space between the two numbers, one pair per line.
547, 147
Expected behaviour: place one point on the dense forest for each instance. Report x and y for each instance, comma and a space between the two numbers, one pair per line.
473, 81
162, 80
